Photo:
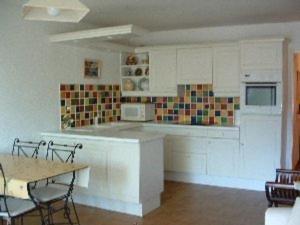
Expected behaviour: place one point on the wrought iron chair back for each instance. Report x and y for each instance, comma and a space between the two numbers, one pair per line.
63, 152
27, 148
3, 194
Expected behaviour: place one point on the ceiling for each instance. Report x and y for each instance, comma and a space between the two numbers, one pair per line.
179, 14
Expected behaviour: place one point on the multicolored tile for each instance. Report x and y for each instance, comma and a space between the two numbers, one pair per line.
197, 106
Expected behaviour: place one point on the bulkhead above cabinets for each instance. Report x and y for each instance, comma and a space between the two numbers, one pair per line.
106, 38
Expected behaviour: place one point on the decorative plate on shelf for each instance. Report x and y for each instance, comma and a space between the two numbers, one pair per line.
138, 72
143, 84
129, 85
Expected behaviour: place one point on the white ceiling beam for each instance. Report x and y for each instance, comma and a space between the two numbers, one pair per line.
102, 33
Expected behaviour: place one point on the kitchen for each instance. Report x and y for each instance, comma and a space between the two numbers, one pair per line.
210, 124
219, 151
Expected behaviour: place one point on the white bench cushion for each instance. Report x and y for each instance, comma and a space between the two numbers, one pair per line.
295, 214
277, 216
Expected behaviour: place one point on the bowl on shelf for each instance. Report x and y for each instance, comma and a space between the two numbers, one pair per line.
131, 60
129, 85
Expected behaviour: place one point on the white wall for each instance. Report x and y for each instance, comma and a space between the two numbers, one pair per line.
233, 33
31, 70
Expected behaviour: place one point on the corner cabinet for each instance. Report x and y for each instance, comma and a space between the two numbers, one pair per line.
163, 72
194, 65
153, 73
226, 70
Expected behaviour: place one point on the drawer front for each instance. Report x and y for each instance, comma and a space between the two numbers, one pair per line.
230, 134
189, 162
175, 130
186, 144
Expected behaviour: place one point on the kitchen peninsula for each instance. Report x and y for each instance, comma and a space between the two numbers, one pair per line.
126, 166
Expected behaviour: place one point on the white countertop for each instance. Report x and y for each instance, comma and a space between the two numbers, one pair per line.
110, 131
164, 124
122, 131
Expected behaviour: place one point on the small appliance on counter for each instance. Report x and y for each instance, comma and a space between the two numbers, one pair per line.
137, 112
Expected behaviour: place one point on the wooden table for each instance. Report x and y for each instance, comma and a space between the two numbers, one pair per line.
21, 171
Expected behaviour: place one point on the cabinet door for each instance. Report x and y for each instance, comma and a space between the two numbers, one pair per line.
260, 146
124, 172
194, 66
222, 157
97, 159
226, 75
185, 154
189, 162
163, 71
168, 146
261, 54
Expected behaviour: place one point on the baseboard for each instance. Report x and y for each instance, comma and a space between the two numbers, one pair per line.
228, 182
118, 206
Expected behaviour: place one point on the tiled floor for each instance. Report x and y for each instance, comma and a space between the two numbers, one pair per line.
189, 204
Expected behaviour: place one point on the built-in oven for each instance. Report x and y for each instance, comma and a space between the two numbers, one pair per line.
261, 96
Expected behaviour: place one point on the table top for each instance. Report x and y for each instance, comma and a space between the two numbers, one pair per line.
19, 171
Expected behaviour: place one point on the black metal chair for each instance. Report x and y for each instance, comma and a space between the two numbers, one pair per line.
12, 208
27, 148
54, 191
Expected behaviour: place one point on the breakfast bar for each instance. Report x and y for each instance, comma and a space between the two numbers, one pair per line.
127, 171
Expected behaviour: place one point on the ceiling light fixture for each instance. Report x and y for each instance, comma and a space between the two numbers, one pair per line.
55, 10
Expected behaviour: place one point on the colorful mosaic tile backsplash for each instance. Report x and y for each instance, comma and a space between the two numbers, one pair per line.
85, 102
196, 106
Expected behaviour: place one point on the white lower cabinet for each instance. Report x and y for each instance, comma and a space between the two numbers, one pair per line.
189, 162
222, 157
185, 154
260, 146
212, 154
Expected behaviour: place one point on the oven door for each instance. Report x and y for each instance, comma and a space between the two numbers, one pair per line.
261, 98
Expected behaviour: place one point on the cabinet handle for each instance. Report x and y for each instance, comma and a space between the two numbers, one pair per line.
247, 75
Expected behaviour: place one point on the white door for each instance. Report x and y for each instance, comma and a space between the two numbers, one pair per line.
222, 157
260, 146
266, 54
163, 71
194, 65
226, 71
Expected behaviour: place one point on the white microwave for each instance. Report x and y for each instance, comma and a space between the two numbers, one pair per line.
261, 98
137, 112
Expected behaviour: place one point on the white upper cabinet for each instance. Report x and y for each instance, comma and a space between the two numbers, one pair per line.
226, 70
163, 72
194, 65
262, 54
